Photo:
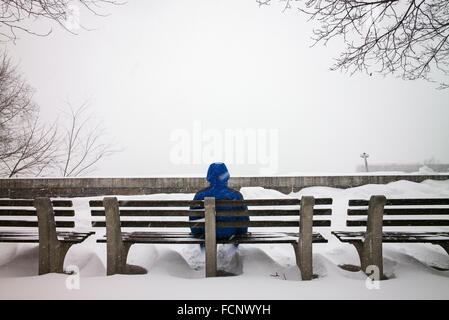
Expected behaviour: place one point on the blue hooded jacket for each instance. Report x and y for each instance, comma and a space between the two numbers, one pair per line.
218, 176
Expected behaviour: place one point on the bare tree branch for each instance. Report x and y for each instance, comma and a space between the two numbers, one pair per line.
84, 143
408, 38
26, 147
16, 15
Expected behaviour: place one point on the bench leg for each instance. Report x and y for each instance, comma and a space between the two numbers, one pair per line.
117, 254
372, 246
303, 249
130, 268
51, 257
117, 250
116, 261
306, 267
51, 251
210, 238
359, 247
297, 250
366, 257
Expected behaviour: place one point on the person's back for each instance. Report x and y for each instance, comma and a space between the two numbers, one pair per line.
218, 177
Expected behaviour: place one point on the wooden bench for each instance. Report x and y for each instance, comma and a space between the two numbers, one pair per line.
422, 217
123, 214
16, 226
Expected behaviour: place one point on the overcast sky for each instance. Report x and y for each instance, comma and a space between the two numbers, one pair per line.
158, 70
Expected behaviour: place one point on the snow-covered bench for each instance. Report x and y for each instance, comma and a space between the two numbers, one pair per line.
173, 214
33, 221
424, 222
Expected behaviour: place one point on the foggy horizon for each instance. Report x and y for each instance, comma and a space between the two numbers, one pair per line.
157, 72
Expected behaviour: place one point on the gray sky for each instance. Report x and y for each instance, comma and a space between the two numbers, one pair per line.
154, 67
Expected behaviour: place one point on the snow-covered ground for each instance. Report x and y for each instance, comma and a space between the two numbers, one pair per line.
259, 271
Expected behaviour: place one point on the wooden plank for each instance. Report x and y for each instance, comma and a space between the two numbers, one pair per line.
270, 212
30, 203
199, 203
316, 238
152, 213
200, 213
402, 223
19, 240
158, 241
257, 202
270, 223
404, 202
219, 241
151, 203
74, 239
96, 203
32, 212
62, 203
160, 233
152, 224
19, 236
269, 202
165, 234
24, 223
402, 211
390, 237
220, 224
323, 201
187, 238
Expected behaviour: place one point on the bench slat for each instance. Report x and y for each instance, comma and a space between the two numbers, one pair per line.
219, 224
32, 212
412, 237
31, 237
24, 223
269, 202
200, 213
152, 213
188, 238
150, 203
279, 212
403, 202
405, 211
269, 223
199, 203
163, 234
402, 223
30, 203
20, 240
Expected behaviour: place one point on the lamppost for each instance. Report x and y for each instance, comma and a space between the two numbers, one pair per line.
365, 156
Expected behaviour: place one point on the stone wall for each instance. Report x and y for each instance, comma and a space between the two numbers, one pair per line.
82, 187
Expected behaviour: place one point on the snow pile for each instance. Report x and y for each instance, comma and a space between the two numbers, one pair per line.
247, 272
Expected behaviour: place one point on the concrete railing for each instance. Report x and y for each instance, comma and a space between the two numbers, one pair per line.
79, 187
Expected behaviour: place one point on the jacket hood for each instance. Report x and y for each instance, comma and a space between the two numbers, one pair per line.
218, 175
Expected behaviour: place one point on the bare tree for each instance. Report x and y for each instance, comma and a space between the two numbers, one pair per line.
84, 143
409, 38
26, 146
35, 149
19, 15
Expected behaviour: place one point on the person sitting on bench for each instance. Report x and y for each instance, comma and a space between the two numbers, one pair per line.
218, 176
